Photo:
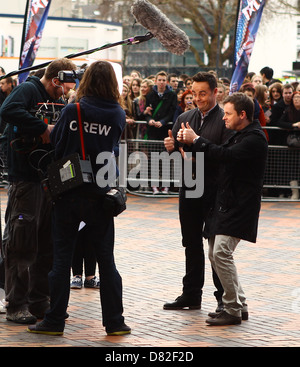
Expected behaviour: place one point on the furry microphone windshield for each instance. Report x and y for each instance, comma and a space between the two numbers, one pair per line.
165, 31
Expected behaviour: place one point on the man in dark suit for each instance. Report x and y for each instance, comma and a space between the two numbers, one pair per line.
207, 121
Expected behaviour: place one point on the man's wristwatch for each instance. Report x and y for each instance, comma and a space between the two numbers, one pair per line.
194, 141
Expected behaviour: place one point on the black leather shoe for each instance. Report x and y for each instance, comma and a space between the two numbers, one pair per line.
224, 318
182, 302
245, 315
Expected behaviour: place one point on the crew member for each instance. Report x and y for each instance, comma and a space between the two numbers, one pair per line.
104, 121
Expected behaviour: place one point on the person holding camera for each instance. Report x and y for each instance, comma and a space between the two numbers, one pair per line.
27, 237
104, 121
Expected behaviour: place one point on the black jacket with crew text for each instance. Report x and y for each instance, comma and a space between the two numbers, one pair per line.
103, 123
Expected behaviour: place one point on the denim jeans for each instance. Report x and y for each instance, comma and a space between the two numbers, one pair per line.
68, 212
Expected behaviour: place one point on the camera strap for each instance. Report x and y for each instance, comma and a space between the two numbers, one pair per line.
80, 128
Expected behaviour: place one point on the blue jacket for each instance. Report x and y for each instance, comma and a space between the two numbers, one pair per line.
103, 123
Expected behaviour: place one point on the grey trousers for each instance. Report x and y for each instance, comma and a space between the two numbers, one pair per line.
221, 250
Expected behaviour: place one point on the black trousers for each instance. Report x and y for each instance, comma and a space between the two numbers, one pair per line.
192, 213
68, 212
84, 254
27, 246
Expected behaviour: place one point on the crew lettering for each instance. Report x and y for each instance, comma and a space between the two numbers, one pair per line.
91, 128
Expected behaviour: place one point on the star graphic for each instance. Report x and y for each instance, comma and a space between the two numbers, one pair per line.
38, 4
253, 6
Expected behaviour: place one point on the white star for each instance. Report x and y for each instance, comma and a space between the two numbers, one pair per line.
38, 4
253, 6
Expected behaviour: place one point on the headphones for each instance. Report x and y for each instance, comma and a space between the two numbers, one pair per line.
53, 82
59, 86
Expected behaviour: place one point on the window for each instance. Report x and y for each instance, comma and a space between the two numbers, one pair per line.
6, 46
298, 29
52, 47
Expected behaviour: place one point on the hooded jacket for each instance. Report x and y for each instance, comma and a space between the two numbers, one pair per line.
18, 111
103, 123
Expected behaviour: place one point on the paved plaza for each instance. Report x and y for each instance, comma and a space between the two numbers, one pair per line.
150, 259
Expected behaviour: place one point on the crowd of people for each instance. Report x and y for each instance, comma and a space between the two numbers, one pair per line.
271, 98
265, 91
189, 114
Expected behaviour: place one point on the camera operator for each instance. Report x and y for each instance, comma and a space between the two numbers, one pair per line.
27, 238
104, 121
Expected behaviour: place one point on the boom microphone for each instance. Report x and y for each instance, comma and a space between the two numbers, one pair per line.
165, 31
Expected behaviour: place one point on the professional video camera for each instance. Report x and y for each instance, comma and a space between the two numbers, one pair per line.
70, 76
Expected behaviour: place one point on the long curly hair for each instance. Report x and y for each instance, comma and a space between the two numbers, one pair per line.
182, 103
99, 80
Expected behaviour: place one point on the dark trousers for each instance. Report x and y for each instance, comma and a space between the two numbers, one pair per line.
192, 213
2, 271
84, 254
68, 212
27, 247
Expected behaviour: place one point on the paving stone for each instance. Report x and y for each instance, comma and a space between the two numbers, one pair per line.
150, 259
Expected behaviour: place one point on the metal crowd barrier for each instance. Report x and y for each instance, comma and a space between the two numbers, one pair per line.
282, 176
3, 170
281, 182
145, 156
139, 152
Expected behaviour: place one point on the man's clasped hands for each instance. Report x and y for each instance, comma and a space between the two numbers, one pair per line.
185, 135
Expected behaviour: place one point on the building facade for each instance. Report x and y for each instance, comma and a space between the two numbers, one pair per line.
277, 43
62, 36
72, 27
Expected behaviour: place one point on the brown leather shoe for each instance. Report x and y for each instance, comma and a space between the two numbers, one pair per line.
224, 318
245, 315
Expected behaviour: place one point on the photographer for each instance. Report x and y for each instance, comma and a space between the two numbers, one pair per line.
27, 237
104, 121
